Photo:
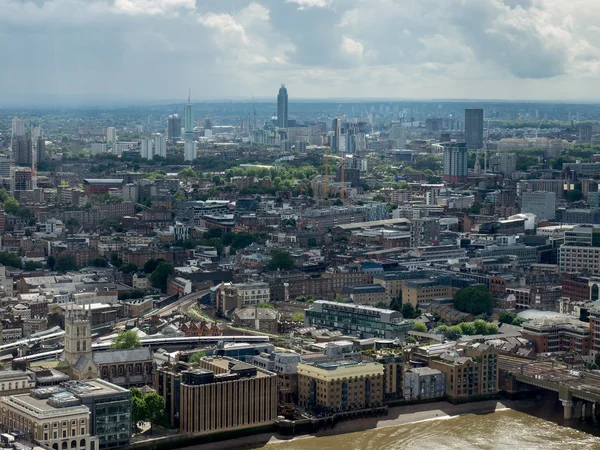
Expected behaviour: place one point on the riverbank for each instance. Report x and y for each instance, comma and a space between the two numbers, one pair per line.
399, 415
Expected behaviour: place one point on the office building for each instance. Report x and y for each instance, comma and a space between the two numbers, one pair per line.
190, 150
147, 148
421, 383
98, 148
160, 145
581, 250
356, 320
343, 385
282, 107
174, 127
594, 317
82, 415
556, 186
217, 394
542, 204
111, 135
474, 128
455, 162
558, 334
366, 294
18, 127
398, 134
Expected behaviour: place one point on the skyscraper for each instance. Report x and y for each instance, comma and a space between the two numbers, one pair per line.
174, 127
111, 135
282, 107
147, 151
22, 149
474, 128
18, 127
455, 162
188, 120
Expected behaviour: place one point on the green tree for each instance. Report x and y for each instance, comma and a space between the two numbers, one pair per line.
338, 202
196, 357
138, 406
453, 333
125, 340
266, 305
10, 259
161, 275
467, 328
98, 262
187, 173
396, 303
281, 260
115, 260
150, 265
298, 317
10, 205
213, 233
480, 326
51, 262
474, 300
155, 406
408, 311
65, 263
128, 268
507, 317
491, 328
379, 198
420, 327
573, 196
411, 340
32, 265
241, 240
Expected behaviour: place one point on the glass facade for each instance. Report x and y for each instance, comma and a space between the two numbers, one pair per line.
111, 421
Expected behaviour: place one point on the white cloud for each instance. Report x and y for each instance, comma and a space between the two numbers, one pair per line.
352, 47
304, 4
399, 48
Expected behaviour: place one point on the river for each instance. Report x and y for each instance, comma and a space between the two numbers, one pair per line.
507, 429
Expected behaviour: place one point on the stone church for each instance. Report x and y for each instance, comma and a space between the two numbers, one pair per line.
127, 367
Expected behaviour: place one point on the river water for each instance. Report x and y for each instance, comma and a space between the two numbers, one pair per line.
501, 430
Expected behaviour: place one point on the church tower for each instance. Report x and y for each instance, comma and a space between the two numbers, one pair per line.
78, 344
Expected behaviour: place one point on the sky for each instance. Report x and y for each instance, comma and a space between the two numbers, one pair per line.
234, 49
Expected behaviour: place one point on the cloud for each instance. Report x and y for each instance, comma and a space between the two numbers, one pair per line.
304, 4
369, 48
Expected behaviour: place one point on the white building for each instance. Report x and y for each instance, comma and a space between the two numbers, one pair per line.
542, 204
111, 135
98, 148
130, 193
147, 151
160, 145
18, 127
190, 151
253, 293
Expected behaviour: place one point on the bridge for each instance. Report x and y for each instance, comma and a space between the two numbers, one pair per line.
578, 390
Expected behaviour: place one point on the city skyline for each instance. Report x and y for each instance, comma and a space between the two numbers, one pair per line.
318, 48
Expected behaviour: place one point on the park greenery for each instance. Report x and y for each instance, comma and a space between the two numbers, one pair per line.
474, 300
160, 276
510, 318
126, 340
280, 260
148, 408
477, 327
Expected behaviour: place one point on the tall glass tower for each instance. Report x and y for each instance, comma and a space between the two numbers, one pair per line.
282, 107
188, 120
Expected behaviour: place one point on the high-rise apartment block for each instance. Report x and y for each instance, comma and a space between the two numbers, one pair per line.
18, 127
504, 163
111, 135
282, 107
174, 127
455, 162
190, 151
474, 128
147, 149
160, 145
